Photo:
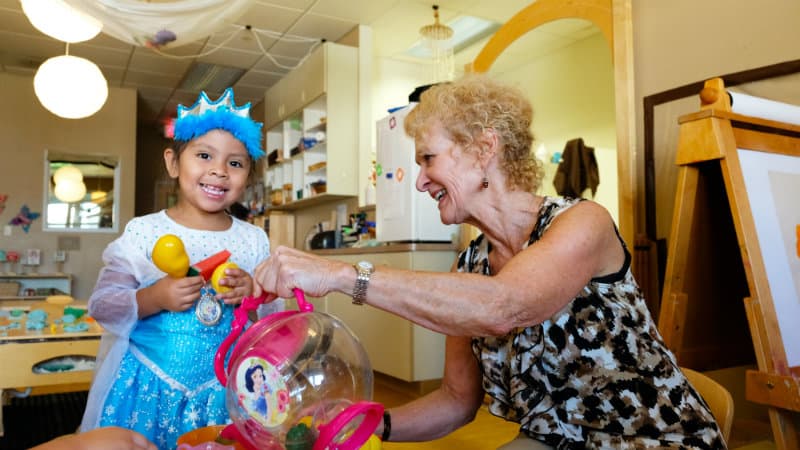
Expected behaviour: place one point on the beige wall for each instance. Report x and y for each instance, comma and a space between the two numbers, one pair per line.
683, 41
572, 91
26, 130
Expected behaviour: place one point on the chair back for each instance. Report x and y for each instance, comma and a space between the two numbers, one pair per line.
717, 397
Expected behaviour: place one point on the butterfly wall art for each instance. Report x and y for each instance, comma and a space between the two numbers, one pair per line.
24, 218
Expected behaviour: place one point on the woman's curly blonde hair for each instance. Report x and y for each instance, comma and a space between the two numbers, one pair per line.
467, 107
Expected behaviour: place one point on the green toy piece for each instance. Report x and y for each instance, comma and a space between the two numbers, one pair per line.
299, 437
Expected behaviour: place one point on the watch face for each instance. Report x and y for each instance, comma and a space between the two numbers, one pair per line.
365, 265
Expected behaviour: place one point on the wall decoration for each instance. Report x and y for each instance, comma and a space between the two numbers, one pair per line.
3, 198
24, 218
33, 257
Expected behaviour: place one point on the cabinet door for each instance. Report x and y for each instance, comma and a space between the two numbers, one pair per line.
395, 346
312, 81
274, 108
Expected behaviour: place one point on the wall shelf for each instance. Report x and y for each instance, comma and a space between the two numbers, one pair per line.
316, 97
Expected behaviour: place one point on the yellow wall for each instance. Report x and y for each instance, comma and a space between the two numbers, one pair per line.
26, 130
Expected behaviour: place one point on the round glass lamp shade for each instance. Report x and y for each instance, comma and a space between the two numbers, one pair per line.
59, 20
70, 87
70, 191
65, 173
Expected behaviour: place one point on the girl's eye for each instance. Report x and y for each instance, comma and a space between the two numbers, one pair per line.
203, 155
237, 164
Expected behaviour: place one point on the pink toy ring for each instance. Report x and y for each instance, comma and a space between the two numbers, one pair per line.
372, 412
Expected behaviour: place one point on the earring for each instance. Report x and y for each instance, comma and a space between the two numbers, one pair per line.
485, 183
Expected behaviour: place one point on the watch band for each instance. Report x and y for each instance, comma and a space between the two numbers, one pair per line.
364, 270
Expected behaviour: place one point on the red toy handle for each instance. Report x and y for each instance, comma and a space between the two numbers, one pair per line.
373, 414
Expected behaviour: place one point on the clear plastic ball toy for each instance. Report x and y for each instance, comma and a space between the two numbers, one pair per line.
297, 380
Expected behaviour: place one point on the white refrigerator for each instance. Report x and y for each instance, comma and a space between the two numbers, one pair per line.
403, 214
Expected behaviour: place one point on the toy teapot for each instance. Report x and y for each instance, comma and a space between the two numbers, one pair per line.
296, 380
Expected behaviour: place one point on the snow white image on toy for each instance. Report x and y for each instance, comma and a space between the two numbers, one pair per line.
261, 392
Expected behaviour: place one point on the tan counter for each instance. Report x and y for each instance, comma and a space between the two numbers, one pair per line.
387, 248
21, 350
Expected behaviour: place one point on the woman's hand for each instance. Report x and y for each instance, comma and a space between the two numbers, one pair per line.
171, 294
287, 269
106, 438
239, 284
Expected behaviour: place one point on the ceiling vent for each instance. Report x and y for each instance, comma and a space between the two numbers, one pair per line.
210, 77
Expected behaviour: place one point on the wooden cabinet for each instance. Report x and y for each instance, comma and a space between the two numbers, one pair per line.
395, 346
311, 117
19, 286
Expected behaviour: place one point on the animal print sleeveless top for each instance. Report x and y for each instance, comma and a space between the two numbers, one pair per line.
594, 375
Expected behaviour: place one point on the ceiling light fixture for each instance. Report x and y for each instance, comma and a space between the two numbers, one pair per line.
436, 37
70, 87
59, 20
467, 30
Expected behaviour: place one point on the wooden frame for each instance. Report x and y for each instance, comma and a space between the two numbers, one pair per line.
648, 170
613, 18
715, 258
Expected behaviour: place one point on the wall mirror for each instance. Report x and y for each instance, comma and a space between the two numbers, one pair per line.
80, 192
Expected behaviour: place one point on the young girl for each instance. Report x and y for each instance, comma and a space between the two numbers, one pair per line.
155, 372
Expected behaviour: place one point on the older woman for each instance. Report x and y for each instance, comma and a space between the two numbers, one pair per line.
541, 310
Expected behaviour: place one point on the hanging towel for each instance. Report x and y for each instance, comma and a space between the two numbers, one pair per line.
577, 170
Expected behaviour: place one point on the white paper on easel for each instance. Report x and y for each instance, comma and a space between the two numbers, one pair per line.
749, 105
772, 182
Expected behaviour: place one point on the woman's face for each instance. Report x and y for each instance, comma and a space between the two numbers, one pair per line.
448, 173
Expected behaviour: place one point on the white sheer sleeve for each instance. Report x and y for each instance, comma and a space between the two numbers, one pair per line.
113, 302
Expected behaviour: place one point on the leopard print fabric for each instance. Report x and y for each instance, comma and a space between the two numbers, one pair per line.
596, 374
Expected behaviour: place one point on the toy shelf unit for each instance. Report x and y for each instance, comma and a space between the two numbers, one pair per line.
34, 286
311, 117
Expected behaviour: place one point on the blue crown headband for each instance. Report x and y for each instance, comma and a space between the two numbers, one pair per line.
223, 114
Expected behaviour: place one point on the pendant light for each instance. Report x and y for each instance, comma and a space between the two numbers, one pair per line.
70, 87
438, 38
59, 20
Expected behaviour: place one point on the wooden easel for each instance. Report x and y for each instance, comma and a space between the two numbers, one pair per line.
716, 284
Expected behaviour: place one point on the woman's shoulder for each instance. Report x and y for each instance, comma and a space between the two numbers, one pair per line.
555, 206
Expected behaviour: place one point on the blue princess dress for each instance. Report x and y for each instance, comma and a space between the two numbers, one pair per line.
156, 375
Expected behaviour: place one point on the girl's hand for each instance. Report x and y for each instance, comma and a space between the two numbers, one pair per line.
176, 294
238, 284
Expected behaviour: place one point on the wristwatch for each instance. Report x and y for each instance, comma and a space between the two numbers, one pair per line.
364, 270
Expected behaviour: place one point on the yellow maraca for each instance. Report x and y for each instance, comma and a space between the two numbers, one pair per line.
170, 256
219, 273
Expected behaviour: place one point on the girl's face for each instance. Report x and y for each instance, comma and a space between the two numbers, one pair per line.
212, 171
447, 172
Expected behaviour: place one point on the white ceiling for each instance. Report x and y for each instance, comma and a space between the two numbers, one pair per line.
395, 27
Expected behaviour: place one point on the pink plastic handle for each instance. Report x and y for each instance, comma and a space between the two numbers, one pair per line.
373, 414
240, 317
302, 304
